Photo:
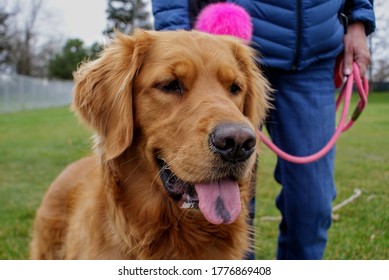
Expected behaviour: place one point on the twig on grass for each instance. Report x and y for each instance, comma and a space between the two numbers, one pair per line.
335, 217
357, 193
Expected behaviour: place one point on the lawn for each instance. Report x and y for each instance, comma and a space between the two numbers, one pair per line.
36, 145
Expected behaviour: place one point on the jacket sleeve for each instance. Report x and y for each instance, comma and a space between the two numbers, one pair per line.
177, 14
361, 11
171, 14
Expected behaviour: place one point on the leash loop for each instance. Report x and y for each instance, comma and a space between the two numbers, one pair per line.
362, 86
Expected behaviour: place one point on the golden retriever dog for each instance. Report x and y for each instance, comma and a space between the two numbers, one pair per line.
175, 115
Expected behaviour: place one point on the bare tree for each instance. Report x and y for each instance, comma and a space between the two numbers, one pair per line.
6, 16
24, 39
25, 48
4, 41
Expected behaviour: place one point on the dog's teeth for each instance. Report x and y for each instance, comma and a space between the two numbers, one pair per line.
187, 205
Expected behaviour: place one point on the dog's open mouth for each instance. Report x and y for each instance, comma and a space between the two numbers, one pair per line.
218, 201
182, 192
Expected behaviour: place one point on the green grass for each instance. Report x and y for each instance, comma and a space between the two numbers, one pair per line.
36, 145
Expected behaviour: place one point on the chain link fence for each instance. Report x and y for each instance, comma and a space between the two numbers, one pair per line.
19, 93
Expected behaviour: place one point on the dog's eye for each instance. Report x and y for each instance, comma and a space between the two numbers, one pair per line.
235, 89
173, 86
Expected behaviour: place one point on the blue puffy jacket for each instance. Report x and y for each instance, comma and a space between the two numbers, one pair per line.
288, 34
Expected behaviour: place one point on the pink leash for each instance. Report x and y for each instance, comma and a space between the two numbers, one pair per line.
345, 94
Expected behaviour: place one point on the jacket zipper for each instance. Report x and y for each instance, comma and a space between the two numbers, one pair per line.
298, 35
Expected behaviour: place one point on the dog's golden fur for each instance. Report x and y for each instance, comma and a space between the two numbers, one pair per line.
113, 205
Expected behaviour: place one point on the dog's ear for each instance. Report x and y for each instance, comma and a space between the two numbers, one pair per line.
256, 103
103, 92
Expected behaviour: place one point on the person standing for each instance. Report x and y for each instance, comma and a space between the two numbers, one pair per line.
299, 42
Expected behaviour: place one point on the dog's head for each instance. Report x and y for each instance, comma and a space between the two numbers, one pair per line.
188, 104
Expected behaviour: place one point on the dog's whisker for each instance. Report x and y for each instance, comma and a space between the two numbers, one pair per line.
130, 174
136, 159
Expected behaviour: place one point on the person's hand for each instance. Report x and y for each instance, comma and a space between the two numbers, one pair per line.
355, 49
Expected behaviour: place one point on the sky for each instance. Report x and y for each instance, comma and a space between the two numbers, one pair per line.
64, 19
86, 19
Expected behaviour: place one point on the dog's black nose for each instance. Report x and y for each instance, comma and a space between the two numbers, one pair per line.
233, 142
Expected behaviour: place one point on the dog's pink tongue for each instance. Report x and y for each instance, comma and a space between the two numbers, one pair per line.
219, 201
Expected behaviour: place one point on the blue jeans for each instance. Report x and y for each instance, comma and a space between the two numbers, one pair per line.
301, 123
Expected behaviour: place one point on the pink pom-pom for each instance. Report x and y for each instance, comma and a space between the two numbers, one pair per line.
225, 19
